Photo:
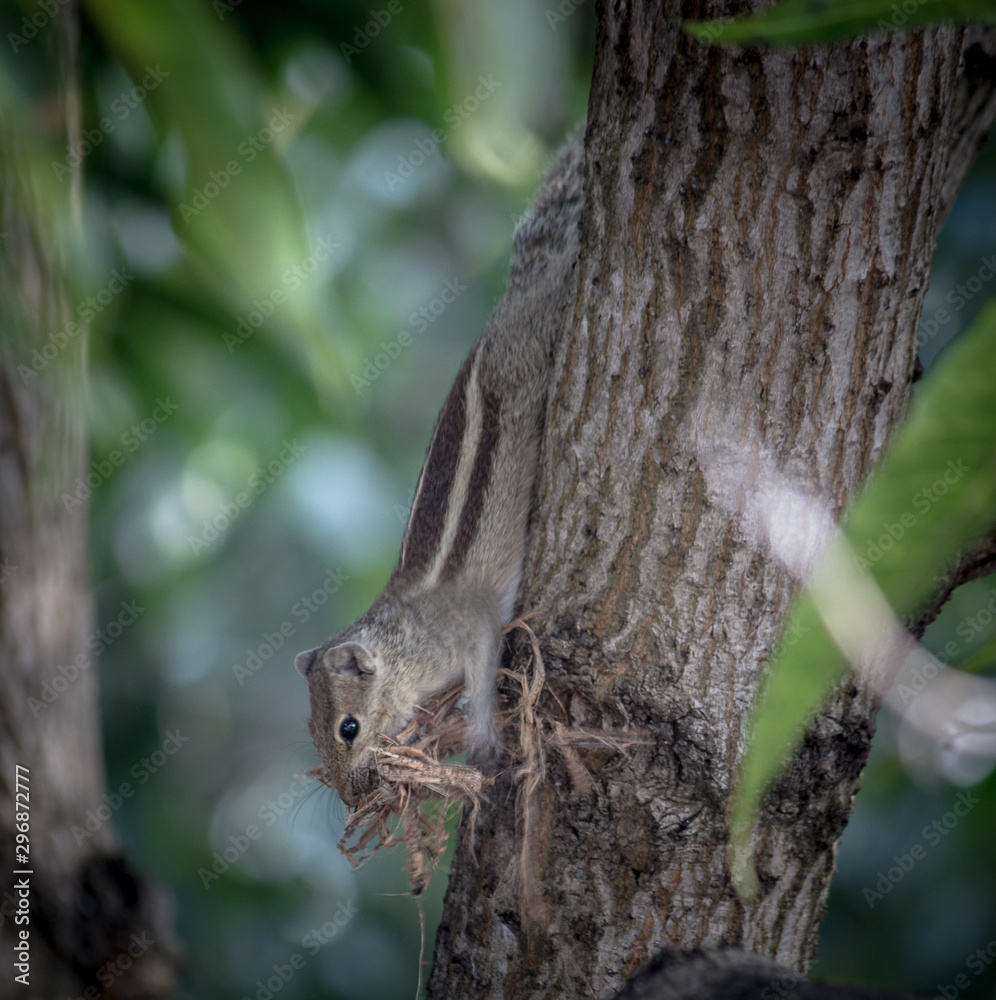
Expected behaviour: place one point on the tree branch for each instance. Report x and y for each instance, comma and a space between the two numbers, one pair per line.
86, 905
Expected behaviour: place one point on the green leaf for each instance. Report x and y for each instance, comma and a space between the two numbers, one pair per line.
984, 661
237, 212
934, 495
800, 22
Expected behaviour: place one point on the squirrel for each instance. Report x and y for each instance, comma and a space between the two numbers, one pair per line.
439, 618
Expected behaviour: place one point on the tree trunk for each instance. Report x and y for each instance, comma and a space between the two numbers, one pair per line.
87, 918
756, 244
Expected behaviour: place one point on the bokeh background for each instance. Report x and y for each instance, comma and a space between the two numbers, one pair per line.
266, 472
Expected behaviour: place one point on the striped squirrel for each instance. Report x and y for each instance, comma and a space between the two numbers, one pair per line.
439, 618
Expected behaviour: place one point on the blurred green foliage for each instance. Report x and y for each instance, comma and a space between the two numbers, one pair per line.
913, 904
253, 459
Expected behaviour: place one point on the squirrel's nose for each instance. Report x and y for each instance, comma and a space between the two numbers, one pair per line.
361, 782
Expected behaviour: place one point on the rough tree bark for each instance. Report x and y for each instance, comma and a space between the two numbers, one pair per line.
756, 244
82, 899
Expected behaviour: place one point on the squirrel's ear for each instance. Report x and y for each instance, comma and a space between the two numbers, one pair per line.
350, 659
306, 660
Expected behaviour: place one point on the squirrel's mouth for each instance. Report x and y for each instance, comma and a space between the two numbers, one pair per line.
361, 782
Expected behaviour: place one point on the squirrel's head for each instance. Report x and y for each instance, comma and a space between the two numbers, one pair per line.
350, 706
367, 679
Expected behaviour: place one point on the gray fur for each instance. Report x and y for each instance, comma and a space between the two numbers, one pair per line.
429, 629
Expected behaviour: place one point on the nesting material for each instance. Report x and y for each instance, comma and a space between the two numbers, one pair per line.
417, 789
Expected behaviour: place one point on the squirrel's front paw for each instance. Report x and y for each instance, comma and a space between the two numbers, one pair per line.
484, 744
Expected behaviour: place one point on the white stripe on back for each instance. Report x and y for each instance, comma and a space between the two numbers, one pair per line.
465, 466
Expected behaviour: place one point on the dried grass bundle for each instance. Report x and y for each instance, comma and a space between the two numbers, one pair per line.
416, 789
537, 734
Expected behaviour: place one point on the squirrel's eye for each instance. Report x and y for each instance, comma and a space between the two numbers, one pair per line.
348, 729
